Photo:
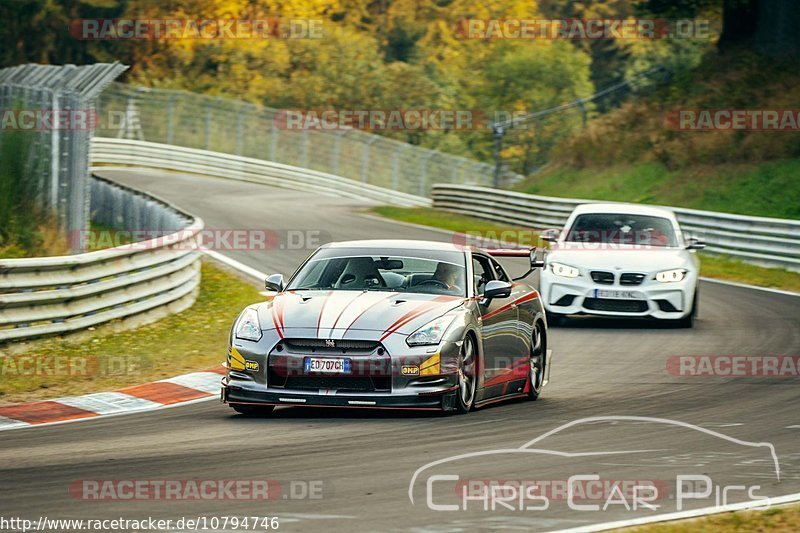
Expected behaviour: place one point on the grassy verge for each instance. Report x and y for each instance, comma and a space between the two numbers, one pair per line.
777, 519
189, 341
767, 189
713, 266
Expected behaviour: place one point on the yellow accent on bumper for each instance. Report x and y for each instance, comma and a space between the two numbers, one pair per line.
430, 367
236, 360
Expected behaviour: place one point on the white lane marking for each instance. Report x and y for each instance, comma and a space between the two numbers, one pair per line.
683, 515
104, 403
792, 427
241, 267
9, 423
203, 381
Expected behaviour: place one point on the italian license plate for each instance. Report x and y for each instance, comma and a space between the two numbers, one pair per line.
617, 295
327, 365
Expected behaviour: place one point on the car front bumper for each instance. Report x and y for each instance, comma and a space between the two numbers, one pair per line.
581, 295
438, 400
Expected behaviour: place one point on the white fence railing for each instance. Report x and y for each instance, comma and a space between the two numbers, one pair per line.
56, 295
764, 241
110, 151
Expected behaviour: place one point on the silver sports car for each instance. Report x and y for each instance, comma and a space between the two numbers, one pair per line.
390, 324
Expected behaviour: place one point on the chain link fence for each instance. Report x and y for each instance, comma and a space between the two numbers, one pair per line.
53, 107
240, 128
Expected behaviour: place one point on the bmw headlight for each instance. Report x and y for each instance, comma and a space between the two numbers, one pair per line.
671, 276
247, 327
566, 271
430, 333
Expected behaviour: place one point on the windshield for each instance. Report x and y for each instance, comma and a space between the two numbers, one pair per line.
620, 228
422, 271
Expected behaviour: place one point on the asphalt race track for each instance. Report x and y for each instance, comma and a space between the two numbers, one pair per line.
359, 464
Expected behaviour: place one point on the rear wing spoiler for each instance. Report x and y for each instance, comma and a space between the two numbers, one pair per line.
519, 252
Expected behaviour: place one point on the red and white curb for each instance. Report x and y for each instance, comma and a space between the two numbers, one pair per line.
180, 390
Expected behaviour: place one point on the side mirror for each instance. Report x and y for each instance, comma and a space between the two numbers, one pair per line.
695, 244
497, 289
535, 263
550, 235
274, 283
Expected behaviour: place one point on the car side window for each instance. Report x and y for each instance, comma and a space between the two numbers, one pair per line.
499, 271
483, 272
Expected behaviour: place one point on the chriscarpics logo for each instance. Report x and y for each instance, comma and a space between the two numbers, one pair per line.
618, 464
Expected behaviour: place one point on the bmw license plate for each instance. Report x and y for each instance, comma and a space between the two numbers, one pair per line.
327, 365
617, 295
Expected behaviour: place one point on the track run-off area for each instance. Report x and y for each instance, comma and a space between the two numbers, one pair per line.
353, 470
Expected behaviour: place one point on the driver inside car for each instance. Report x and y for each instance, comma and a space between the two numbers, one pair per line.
447, 274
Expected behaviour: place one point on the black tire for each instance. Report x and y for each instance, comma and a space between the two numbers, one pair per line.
688, 320
537, 368
467, 376
252, 410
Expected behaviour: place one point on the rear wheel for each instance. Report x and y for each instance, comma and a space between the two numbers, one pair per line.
537, 361
252, 410
467, 372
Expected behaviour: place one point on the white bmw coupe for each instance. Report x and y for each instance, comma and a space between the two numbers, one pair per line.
622, 260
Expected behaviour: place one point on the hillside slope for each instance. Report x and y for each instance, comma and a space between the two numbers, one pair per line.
634, 154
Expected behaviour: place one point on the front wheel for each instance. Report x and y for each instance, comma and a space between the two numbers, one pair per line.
252, 410
537, 361
467, 376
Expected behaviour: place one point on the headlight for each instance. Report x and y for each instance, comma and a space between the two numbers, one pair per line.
430, 333
670, 276
566, 271
247, 327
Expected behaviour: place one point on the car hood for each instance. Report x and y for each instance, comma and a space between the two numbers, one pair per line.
627, 258
352, 314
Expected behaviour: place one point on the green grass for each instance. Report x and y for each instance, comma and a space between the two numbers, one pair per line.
713, 266
195, 339
767, 189
777, 519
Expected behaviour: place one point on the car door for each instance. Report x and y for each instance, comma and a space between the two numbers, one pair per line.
517, 368
498, 328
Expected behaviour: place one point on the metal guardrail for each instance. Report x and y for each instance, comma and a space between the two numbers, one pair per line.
191, 120
109, 151
54, 295
771, 242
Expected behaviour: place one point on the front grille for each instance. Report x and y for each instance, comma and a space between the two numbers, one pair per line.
340, 383
307, 346
631, 278
604, 278
615, 306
